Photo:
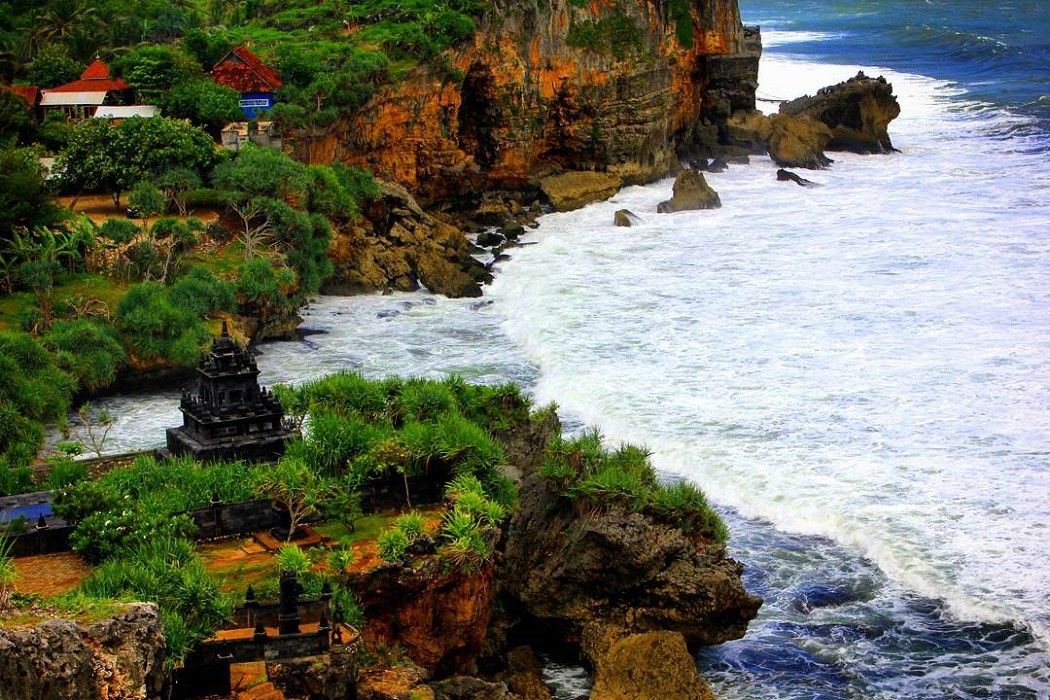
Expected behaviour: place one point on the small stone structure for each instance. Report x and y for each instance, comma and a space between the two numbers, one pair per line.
231, 416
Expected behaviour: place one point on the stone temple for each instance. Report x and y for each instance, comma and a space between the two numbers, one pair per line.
230, 417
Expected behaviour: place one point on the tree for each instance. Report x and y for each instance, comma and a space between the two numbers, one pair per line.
25, 202
53, 66
295, 487
176, 183
116, 157
149, 201
262, 172
153, 70
204, 102
39, 276
88, 349
15, 124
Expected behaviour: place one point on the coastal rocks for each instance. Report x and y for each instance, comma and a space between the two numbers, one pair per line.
118, 658
401, 247
404, 681
576, 189
750, 129
788, 176
648, 666
569, 569
523, 675
530, 101
625, 218
331, 676
798, 142
439, 617
470, 688
691, 191
857, 113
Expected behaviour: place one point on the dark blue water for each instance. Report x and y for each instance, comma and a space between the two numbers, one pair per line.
999, 52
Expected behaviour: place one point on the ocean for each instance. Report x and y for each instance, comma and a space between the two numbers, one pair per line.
857, 374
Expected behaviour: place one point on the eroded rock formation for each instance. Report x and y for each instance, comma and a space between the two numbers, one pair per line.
857, 112
690, 192
117, 658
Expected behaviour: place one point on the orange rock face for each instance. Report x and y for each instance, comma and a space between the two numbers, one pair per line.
523, 99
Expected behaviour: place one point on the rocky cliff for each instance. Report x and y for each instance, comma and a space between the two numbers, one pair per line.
117, 658
550, 86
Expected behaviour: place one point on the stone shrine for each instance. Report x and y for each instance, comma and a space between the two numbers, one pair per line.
231, 417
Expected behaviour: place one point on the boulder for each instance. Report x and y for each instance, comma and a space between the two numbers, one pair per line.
470, 688
399, 682
649, 666
857, 112
788, 176
625, 217
798, 142
749, 129
118, 657
524, 676
691, 191
576, 189
569, 568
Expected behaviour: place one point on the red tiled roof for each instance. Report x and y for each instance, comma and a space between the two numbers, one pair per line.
242, 70
95, 78
98, 70
29, 93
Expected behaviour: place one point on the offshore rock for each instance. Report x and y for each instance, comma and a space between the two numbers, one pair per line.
523, 99
119, 658
401, 247
691, 191
625, 218
576, 189
523, 675
798, 142
788, 176
571, 568
857, 112
649, 666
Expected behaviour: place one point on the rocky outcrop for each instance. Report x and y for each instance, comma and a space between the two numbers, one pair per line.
402, 247
570, 569
788, 176
439, 616
469, 688
118, 658
857, 113
523, 675
331, 676
690, 192
527, 98
798, 142
573, 190
649, 666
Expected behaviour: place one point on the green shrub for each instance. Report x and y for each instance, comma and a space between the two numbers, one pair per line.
203, 293
14, 479
392, 545
100, 536
411, 524
88, 349
424, 400
346, 608
292, 559
617, 35
119, 231
156, 328
65, 472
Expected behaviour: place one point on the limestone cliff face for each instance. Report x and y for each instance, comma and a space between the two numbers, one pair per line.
527, 97
119, 658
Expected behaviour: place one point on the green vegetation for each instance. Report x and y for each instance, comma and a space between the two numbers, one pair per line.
680, 11
617, 35
583, 471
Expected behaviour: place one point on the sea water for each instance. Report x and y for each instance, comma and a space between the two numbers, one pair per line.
858, 373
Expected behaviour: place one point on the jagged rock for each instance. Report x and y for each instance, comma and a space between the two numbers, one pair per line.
798, 142
788, 176
470, 688
331, 676
625, 217
438, 616
857, 112
750, 129
569, 569
523, 675
576, 189
118, 658
649, 666
488, 239
691, 191
402, 247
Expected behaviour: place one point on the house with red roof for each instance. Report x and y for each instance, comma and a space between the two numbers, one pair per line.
80, 98
243, 71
